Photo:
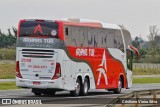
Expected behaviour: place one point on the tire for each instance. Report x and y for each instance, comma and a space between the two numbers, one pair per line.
85, 87
78, 85
118, 90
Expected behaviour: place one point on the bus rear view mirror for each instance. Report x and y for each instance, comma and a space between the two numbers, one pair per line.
136, 51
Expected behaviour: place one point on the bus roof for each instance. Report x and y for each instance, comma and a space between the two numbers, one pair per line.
89, 23
84, 22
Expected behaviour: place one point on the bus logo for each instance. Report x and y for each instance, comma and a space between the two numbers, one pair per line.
38, 28
103, 70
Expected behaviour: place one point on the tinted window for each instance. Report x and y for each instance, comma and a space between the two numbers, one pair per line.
40, 28
68, 37
118, 41
93, 37
127, 38
76, 36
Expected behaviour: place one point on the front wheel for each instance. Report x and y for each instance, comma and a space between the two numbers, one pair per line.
76, 92
118, 90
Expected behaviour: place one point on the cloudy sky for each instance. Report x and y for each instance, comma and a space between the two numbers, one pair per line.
135, 15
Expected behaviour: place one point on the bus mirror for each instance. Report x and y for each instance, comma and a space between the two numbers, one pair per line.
136, 51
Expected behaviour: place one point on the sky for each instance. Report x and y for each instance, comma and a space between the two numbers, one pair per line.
135, 15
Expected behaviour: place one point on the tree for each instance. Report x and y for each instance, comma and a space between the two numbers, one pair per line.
8, 40
136, 42
153, 34
15, 31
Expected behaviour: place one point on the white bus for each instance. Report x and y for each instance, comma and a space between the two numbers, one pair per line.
73, 54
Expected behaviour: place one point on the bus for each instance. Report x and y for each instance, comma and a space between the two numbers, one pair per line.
75, 55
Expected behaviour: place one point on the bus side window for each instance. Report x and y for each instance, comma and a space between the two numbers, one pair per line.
66, 31
102, 39
68, 37
118, 40
83, 37
110, 36
90, 38
127, 37
75, 36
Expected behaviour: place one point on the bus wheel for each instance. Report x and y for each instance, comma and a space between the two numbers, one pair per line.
118, 90
85, 87
76, 92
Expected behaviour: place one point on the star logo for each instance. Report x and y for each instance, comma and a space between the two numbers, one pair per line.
103, 69
38, 28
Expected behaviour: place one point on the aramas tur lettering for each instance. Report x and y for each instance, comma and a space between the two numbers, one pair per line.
31, 40
85, 52
38, 40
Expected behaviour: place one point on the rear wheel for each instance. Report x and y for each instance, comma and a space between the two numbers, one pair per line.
76, 92
85, 87
118, 90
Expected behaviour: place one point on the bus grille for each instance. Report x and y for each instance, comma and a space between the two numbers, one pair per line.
35, 53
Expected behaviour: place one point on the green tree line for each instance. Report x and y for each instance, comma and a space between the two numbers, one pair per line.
8, 40
150, 52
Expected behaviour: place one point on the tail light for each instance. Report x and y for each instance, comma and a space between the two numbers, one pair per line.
57, 71
18, 74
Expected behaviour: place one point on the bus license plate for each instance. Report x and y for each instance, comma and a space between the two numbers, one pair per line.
36, 83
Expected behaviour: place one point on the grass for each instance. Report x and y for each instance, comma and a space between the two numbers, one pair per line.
146, 80
12, 85
7, 54
7, 70
8, 86
142, 71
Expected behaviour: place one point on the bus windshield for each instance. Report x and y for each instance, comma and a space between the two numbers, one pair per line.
39, 28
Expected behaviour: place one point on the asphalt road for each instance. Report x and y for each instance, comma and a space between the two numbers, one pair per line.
63, 99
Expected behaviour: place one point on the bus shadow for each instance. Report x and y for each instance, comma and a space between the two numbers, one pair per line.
67, 94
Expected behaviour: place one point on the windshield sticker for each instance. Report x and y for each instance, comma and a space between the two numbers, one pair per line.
53, 32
